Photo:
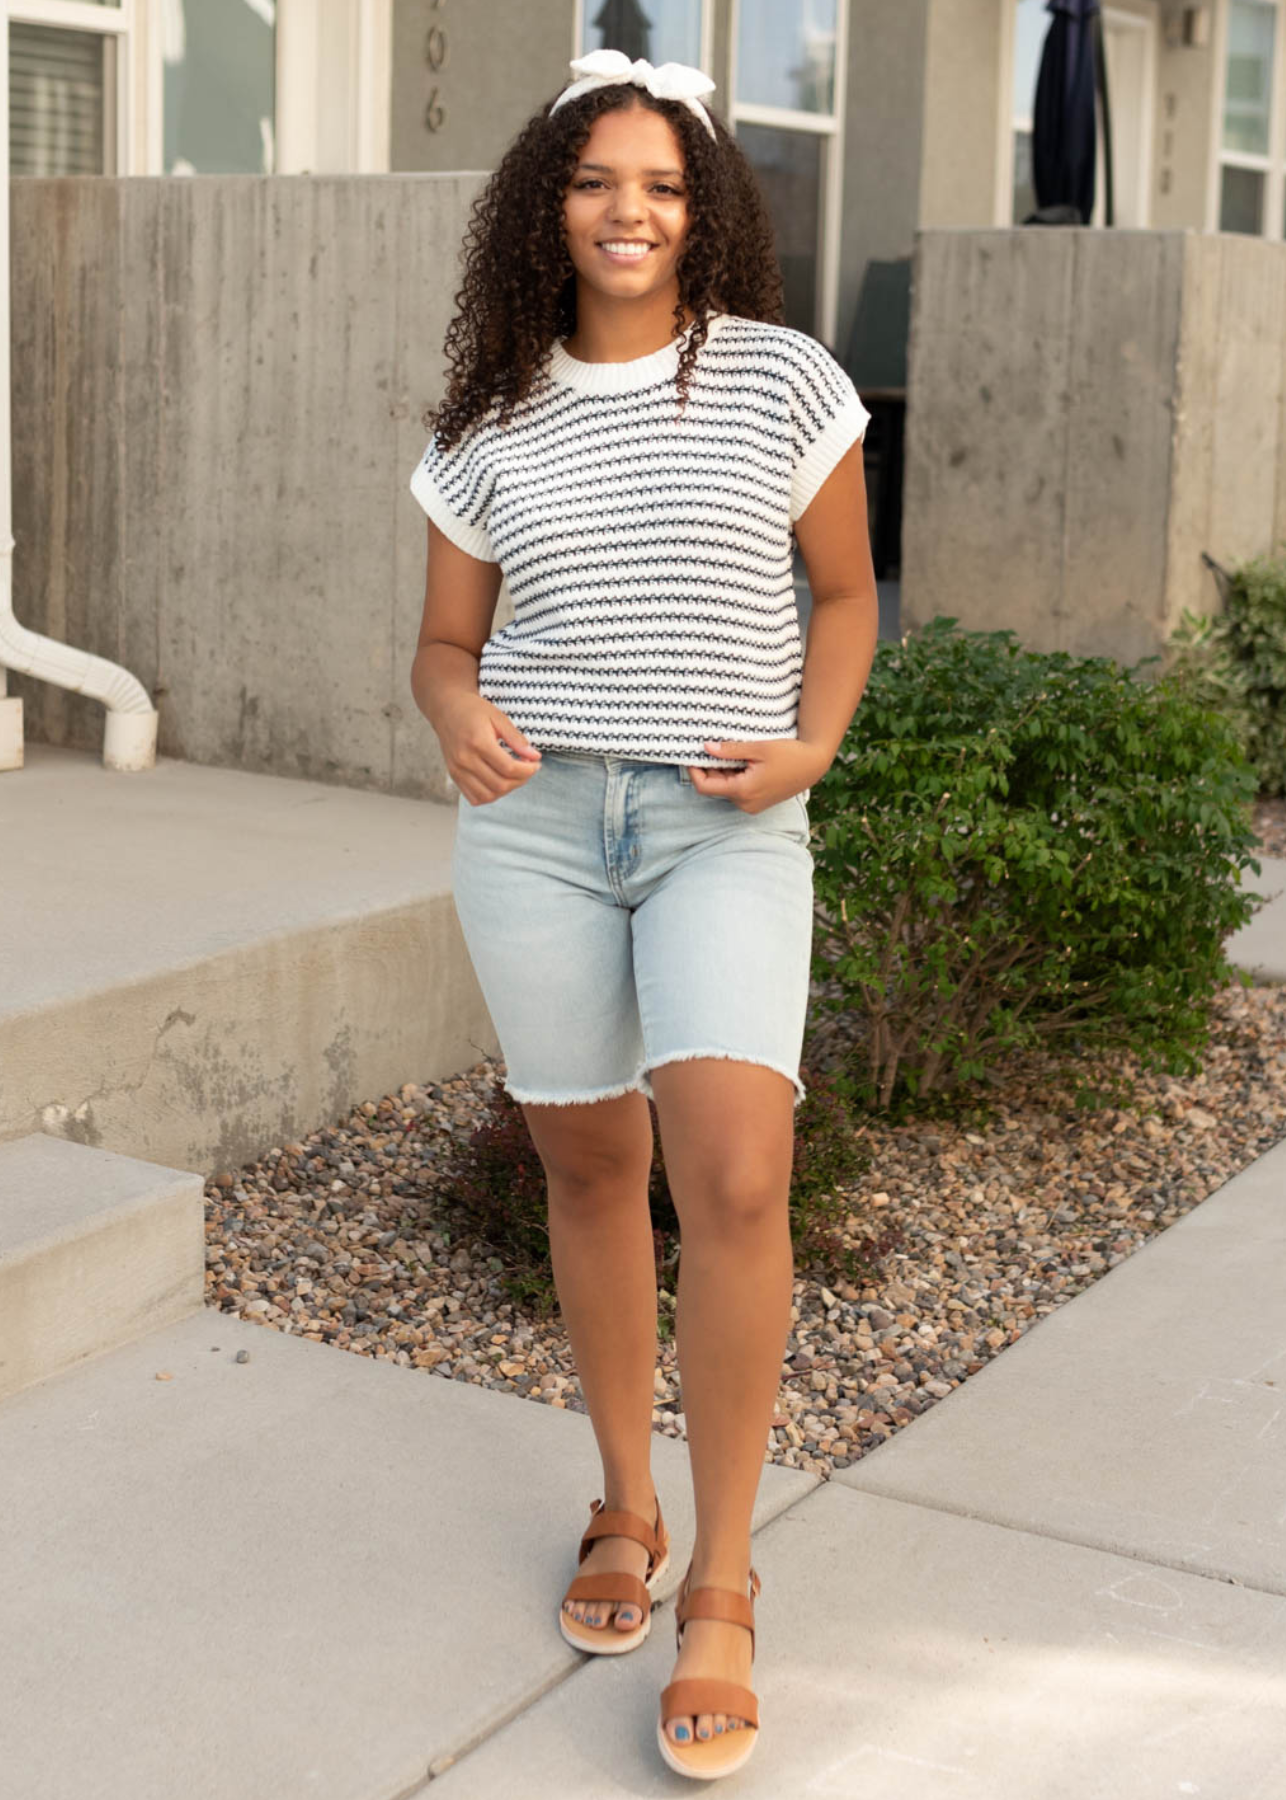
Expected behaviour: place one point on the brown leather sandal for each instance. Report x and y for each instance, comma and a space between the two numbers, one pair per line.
707, 1758
609, 1639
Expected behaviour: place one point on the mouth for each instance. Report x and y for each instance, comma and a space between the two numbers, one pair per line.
623, 250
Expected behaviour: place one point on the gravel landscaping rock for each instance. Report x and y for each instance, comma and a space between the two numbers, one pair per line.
342, 1237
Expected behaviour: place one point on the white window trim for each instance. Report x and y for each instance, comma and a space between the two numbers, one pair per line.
1003, 202
1273, 165
1150, 26
368, 54
828, 125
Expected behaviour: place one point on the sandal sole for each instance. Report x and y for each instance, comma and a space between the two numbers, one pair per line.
715, 1767
628, 1641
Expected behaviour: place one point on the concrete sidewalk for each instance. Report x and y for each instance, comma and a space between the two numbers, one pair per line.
313, 1574
1260, 946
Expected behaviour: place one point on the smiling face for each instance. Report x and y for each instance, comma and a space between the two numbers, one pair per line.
628, 191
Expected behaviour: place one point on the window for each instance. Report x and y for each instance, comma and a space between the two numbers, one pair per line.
64, 87
787, 106
1030, 27
659, 30
220, 79
1252, 132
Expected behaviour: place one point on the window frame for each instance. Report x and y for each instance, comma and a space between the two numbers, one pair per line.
1272, 165
115, 24
828, 125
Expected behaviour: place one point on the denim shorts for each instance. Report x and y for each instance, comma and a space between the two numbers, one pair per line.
618, 918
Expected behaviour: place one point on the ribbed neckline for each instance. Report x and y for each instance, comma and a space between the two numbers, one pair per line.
624, 377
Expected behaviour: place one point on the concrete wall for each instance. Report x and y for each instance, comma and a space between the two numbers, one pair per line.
1087, 412
217, 390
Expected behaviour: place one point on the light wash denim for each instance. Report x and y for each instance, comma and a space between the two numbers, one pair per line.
618, 919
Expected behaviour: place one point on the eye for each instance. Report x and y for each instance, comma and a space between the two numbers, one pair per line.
663, 187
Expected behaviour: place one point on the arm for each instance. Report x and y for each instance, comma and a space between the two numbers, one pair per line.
843, 628
459, 606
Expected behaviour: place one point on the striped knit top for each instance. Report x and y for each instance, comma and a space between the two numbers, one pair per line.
649, 554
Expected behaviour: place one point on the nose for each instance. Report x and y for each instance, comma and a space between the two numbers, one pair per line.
628, 204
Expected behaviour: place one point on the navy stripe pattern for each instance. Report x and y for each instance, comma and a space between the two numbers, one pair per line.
648, 554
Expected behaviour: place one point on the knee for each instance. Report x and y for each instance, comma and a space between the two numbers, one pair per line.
737, 1199
588, 1180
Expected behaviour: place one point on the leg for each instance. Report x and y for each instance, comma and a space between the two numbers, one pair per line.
727, 1132
597, 1158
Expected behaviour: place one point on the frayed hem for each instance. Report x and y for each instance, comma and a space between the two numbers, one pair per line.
530, 1097
763, 1062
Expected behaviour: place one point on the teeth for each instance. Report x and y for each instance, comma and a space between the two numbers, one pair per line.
628, 249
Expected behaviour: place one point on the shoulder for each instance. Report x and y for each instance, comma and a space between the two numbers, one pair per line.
798, 359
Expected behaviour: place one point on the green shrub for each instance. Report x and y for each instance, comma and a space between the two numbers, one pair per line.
494, 1182
1013, 848
1235, 661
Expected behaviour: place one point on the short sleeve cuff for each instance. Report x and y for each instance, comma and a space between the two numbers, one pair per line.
474, 540
840, 432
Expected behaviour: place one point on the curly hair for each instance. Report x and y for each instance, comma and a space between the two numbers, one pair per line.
519, 288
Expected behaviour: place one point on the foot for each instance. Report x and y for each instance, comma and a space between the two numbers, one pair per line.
614, 1555
712, 1647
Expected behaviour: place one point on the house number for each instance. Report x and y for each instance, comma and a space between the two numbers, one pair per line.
435, 55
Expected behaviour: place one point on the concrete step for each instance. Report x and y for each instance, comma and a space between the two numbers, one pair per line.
95, 1249
198, 963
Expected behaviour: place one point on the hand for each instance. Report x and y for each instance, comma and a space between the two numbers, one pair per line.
775, 769
486, 754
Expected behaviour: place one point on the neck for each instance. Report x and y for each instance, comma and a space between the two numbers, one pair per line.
609, 329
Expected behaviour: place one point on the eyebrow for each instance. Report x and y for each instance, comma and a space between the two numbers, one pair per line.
609, 170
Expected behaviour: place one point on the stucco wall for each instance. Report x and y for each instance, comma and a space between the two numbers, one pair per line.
502, 61
883, 142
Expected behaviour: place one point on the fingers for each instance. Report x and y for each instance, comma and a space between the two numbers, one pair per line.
495, 763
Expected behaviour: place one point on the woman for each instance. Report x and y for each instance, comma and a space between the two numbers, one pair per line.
630, 436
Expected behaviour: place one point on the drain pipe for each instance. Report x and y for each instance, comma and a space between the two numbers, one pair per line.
129, 737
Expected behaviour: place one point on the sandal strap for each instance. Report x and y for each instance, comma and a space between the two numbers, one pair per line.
725, 1604
706, 1694
611, 1586
624, 1524
716, 1603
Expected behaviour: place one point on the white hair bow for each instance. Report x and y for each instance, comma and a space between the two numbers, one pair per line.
671, 81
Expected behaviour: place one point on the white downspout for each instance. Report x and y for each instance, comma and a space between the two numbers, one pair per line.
129, 736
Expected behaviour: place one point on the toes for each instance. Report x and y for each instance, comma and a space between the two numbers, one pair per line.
720, 1723
705, 1725
680, 1730
627, 1617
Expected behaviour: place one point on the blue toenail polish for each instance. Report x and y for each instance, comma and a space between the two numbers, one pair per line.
681, 1731
718, 1727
